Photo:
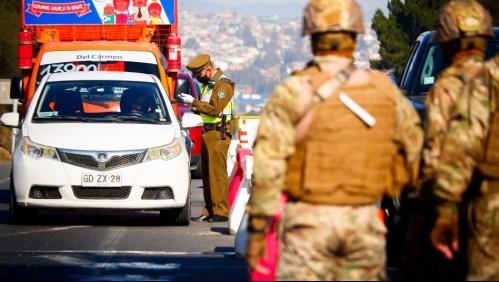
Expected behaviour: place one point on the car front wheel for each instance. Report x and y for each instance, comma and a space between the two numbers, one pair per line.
19, 215
178, 216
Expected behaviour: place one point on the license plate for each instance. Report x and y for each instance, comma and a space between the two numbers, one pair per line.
101, 179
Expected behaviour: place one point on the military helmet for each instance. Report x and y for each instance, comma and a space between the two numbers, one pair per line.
332, 16
463, 18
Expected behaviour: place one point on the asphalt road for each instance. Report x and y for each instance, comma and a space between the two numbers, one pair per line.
114, 246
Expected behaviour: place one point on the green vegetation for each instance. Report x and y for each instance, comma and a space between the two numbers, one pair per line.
9, 21
407, 19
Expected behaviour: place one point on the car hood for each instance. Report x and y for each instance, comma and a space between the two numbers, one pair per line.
94, 136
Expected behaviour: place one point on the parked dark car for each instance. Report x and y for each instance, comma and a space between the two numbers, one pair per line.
425, 62
185, 84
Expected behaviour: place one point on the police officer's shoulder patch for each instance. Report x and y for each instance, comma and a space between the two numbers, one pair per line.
221, 94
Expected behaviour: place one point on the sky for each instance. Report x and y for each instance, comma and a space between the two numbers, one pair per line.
370, 3
368, 6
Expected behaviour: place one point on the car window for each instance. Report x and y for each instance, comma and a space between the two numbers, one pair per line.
434, 63
492, 48
102, 99
410, 61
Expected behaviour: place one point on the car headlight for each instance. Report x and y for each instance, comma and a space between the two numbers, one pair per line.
167, 152
36, 151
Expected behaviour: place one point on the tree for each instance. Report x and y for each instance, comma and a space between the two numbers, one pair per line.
9, 21
406, 20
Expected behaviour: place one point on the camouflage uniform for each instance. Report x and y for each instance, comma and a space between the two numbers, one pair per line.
444, 175
333, 163
442, 105
459, 107
341, 242
457, 135
483, 251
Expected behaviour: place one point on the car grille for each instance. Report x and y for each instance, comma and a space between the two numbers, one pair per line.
101, 161
102, 193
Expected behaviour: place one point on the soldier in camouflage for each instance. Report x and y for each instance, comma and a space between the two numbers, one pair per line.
461, 163
333, 161
484, 244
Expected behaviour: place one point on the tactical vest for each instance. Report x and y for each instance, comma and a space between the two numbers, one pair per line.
342, 161
206, 92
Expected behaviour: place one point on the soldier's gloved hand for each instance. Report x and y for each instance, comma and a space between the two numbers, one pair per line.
445, 233
186, 98
257, 232
255, 249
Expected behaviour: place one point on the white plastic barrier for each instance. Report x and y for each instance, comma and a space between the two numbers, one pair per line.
241, 238
242, 196
249, 126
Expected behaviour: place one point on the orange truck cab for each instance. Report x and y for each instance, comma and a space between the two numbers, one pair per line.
91, 35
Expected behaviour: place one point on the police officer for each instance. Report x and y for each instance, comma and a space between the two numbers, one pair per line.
215, 108
457, 167
331, 159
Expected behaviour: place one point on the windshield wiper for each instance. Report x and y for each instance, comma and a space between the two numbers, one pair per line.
132, 118
65, 117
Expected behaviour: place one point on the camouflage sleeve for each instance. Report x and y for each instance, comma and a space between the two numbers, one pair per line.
222, 94
274, 143
493, 68
463, 143
439, 103
409, 134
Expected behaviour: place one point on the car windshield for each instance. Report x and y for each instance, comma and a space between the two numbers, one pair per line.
434, 63
105, 101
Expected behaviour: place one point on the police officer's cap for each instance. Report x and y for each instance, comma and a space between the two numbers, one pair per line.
199, 63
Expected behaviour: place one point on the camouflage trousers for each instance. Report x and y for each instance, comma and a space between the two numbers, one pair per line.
483, 243
324, 242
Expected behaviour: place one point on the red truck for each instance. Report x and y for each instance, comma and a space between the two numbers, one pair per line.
90, 35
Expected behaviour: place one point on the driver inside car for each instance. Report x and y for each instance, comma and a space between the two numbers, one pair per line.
135, 103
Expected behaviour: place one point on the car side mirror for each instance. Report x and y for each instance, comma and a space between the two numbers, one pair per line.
16, 89
11, 120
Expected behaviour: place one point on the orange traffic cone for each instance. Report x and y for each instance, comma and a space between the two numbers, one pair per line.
243, 134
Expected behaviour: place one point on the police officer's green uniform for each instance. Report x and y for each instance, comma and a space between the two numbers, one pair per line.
216, 101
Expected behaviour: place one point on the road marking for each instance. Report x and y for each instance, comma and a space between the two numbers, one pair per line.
65, 259
129, 252
43, 230
104, 266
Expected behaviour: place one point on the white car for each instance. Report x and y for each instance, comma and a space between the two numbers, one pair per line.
101, 140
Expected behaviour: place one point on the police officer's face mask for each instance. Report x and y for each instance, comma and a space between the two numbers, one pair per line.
203, 78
